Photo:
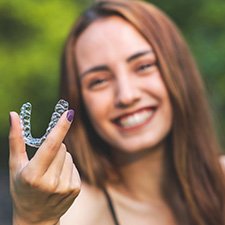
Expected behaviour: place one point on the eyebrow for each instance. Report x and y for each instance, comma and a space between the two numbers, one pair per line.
139, 54
106, 68
94, 69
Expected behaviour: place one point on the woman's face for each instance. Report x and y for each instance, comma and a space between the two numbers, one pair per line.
122, 88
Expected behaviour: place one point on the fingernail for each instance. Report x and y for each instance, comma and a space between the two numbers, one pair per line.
70, 115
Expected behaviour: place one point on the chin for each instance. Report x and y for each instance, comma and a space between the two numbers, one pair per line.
133, 147
127, 154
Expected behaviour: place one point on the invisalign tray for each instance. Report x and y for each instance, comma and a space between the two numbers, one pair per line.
25, 116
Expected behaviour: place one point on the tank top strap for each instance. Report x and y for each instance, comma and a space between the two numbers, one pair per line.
111, 207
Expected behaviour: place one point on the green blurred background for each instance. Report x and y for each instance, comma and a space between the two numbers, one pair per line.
32, 35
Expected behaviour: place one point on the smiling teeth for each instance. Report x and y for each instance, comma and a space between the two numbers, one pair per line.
135, 119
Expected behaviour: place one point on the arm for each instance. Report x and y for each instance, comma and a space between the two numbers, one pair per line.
44, 187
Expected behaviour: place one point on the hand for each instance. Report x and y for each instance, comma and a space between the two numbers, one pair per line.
44, 187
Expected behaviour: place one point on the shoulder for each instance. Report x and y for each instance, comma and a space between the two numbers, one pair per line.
90, 207
222, 162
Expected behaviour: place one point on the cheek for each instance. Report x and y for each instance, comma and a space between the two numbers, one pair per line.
98, 105
154, 84
156, 87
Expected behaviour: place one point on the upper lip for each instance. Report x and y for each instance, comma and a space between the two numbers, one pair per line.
128, 113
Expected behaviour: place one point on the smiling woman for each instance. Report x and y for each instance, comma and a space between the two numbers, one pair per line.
143, 140
135, 111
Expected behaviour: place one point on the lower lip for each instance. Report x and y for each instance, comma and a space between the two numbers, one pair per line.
138, 127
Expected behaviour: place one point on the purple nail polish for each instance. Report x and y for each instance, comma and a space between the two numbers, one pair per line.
70, 115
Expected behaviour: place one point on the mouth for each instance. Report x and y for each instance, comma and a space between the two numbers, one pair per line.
136, 119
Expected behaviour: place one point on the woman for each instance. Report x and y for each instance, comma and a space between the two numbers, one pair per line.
142, 139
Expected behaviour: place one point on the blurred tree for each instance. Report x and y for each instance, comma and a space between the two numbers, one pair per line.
32, 34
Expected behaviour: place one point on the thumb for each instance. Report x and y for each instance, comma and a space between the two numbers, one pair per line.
17, 149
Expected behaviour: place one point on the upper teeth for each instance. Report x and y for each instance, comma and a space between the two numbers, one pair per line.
135, 119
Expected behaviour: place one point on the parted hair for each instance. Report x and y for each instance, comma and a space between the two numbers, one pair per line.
194, 185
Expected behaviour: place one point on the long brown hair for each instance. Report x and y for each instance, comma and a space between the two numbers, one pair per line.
194, 184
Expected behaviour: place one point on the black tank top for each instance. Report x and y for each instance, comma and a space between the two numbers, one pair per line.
111, 207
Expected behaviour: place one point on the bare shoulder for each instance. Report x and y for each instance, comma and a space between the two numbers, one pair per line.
89, 207
222, 162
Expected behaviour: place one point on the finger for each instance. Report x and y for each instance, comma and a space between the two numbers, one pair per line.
18, 156
75, 182
54, 171
48, 150
66, 173
71, 175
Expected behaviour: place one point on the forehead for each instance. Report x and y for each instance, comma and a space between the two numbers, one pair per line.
112, 36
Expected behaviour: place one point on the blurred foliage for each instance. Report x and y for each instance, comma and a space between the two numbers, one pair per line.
32, 34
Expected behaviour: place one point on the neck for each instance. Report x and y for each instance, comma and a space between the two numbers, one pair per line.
142, 174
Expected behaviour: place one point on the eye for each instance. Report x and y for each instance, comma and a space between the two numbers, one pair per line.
96, 82
144, 67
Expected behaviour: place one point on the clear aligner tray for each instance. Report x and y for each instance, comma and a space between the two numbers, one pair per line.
25, 117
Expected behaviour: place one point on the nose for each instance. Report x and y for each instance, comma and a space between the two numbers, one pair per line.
127, 92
